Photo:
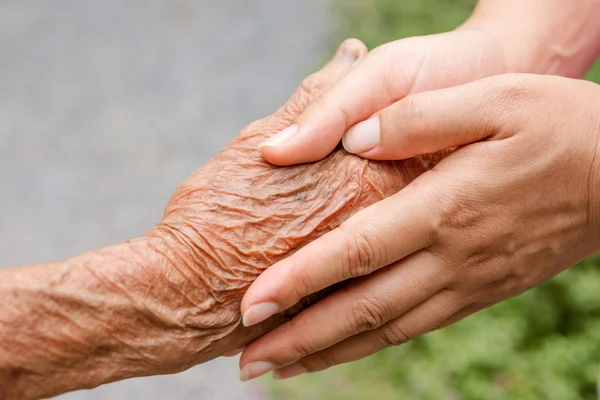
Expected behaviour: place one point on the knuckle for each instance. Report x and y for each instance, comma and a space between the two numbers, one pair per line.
389, 85
313, 84
302, 348
386, 52
345, 118
361, 256
367, 314
325, 361
309, 91
303, 285
513, 88
379, 51
450, 210
430, 197
411, 120
393, 335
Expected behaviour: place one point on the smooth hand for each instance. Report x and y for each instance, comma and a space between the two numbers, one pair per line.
476, 50
501, 36
492, 220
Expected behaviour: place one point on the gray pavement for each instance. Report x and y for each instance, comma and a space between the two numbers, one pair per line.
105, 106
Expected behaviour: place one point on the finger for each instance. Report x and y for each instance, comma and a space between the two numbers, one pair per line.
432, 121
364, 305
376, 82
311, 88
375, 237
314, 86
463, 313
233, 353
416, 322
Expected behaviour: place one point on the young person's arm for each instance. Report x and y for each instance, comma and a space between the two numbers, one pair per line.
557, 37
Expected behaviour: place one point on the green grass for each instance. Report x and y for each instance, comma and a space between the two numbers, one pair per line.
380, 21
594, 73
544, 344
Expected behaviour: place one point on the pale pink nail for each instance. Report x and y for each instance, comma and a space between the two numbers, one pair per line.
281, 137
348, 52
363, 136
290, 371
259, 312
255, 369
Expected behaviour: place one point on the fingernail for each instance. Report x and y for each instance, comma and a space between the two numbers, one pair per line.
281, 137
259, 312
255, 369
347, 53
289, 372
363, 136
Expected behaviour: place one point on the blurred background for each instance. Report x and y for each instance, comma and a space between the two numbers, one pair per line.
106, 106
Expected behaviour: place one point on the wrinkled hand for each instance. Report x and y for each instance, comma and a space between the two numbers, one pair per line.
238, 215
492, 220
171, 299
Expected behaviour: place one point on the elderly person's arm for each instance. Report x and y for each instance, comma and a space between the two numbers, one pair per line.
171, 299
123, 311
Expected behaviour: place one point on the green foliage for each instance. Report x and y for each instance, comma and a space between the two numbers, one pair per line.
380, 21
543, 344
594, 73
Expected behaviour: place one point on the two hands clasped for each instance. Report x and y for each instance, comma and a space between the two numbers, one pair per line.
515, 203
498, 190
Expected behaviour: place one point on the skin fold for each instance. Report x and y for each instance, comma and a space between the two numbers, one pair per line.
554, 37
171, 299
515, 204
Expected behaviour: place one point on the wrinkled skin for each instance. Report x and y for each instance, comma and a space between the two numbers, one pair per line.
171, 299
514, 206
238, 214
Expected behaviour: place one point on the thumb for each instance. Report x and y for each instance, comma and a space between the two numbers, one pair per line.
437, 120
364, 90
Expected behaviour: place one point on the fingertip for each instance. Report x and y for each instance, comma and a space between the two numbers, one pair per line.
275, 155
308, 144
363, 137
263, 298
320, 128
351, 51
246, 356
258, 313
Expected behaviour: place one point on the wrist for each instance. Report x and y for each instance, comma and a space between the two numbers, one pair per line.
205, 282
555, 38
99, 317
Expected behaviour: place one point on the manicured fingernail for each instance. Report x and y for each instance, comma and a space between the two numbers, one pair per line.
281, 137
289, 372
259, 312
363, 136
255, 369
347, 52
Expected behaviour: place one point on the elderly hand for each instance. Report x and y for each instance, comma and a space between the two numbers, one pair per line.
171, 299
493, 219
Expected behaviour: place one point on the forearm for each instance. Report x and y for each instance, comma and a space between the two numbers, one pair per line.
559, 37
103, 316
